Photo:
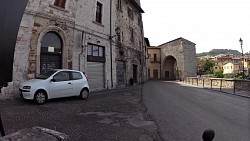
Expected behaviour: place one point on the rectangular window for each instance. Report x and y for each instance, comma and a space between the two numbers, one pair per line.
60, 3
99, 12
130, 13
96, 53
119, 4
155, 58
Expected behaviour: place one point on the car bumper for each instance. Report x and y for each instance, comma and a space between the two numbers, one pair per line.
26, 94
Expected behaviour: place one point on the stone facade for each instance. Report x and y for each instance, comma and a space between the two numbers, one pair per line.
75, 24
130, 46
177, 59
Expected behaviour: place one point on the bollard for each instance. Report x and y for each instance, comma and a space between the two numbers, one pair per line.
1, 127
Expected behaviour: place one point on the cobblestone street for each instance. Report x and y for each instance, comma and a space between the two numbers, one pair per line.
117, 114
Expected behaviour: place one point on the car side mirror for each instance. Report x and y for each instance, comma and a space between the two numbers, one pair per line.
53, 80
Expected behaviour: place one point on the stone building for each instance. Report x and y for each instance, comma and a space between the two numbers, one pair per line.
177, 60
130, 48
154, 62
80, 35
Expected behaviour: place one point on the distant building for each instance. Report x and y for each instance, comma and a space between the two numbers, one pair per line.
177, 60
231, 68
154, 62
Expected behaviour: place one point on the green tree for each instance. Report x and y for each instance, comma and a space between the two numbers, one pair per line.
205, 66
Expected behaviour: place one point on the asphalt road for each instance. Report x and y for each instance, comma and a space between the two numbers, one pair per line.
183, 112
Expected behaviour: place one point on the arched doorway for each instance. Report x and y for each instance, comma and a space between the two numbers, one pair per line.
51, 52
169, 68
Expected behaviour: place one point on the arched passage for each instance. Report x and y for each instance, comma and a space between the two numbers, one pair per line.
169, 68
51, 52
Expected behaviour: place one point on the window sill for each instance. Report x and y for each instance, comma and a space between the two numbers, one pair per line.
59, 8
98, 23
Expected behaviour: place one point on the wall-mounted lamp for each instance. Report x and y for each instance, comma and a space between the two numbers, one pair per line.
117, 33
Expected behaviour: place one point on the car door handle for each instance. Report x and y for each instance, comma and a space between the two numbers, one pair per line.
69, 83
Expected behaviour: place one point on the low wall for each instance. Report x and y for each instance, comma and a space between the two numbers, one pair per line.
219, 82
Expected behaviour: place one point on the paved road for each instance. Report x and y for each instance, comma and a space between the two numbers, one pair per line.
183, 112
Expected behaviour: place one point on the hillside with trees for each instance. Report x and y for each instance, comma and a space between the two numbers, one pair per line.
215, 52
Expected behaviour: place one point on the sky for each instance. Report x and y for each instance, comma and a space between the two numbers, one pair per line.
210, 24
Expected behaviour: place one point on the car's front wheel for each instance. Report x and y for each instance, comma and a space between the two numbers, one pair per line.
40, 97
84, 94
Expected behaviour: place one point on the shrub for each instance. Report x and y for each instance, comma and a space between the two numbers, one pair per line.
218, 74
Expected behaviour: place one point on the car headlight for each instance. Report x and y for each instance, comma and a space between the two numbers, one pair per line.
26, 87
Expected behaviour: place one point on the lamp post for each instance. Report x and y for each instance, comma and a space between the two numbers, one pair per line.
241, 43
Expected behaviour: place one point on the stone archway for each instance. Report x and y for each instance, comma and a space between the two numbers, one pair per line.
169, 71
64, 47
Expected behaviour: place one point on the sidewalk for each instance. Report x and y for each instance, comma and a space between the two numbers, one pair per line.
110, 115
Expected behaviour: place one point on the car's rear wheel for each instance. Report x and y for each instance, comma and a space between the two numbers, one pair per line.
84, 94
40, 97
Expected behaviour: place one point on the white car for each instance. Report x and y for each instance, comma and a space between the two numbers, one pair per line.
55, 84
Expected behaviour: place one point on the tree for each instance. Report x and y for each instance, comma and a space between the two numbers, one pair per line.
205, 66
218, 74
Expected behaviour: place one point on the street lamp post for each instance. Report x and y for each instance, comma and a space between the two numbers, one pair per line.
241, 43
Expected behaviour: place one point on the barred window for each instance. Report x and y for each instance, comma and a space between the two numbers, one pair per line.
60, 3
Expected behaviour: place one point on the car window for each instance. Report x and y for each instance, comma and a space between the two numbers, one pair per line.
46, 75
61, 76
76, 75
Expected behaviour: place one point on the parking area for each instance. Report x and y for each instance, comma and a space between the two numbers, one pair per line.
117, 114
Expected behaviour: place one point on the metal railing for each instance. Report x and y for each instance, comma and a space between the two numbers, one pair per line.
233, 86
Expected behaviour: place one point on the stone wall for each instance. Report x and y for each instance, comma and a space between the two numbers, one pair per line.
190, 61
129, 50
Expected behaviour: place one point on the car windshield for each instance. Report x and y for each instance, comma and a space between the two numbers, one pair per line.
46, 75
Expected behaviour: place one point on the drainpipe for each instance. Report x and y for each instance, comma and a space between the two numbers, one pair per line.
82, 46
160, 65
110, 43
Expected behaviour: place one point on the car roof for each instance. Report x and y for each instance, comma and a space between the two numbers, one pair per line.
66, 70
